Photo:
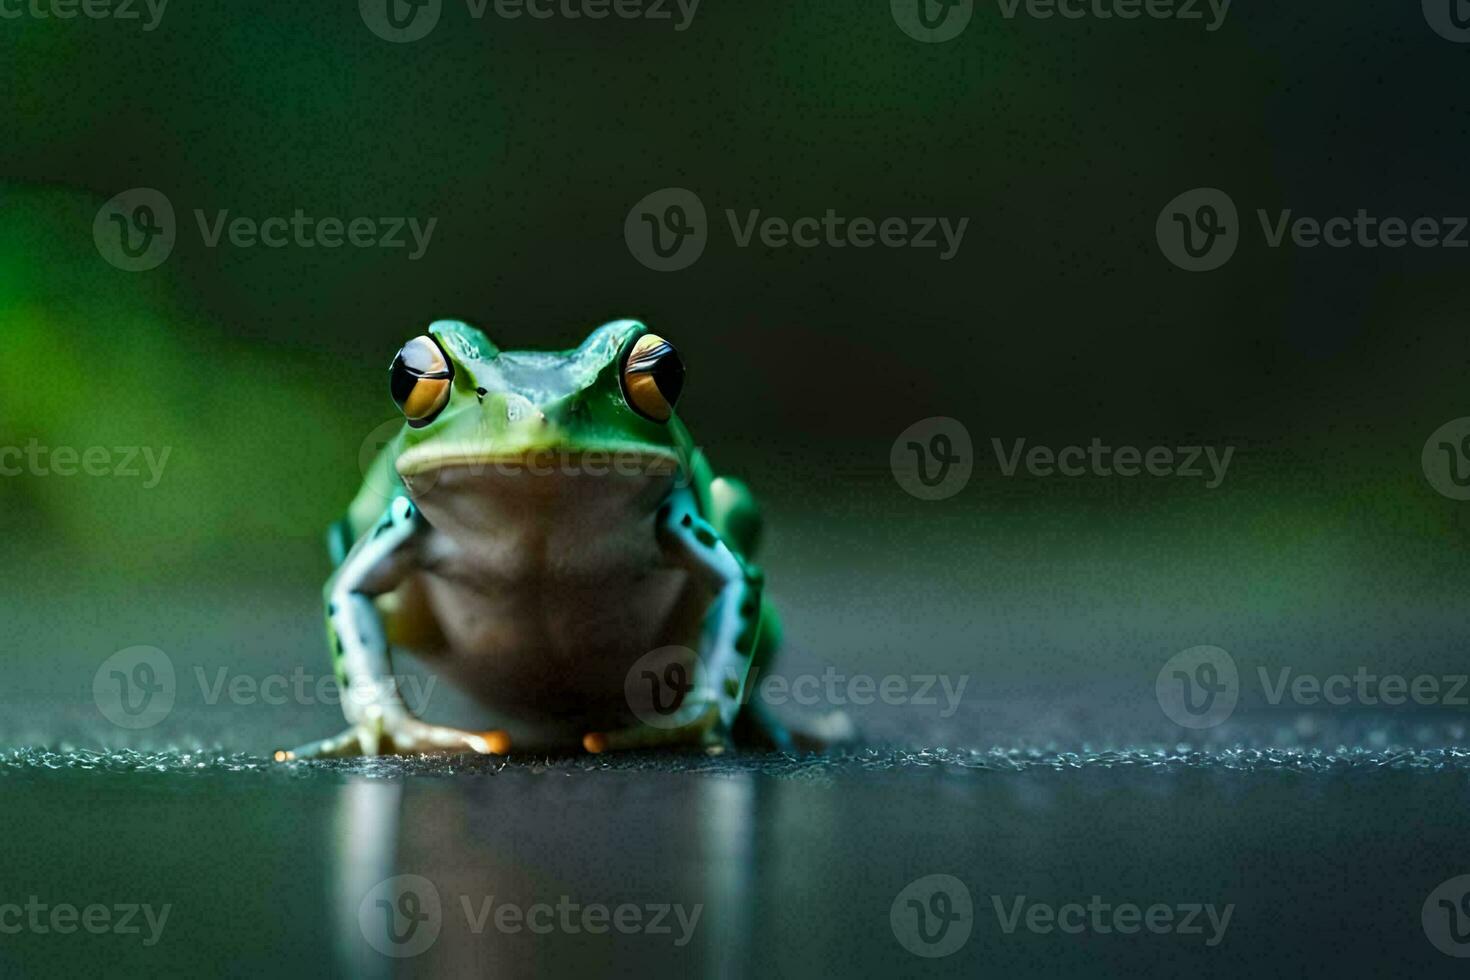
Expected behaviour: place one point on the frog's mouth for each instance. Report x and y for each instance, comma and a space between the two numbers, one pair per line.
424, 462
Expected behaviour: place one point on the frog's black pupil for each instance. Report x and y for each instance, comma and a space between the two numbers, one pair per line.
402, 380
668, 373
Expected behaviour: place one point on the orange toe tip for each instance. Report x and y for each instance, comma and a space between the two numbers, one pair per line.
283, 756
498, 742
594, 742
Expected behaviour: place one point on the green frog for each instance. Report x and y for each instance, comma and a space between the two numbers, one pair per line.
544, 533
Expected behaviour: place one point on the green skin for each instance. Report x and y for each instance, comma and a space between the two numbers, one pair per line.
533, 541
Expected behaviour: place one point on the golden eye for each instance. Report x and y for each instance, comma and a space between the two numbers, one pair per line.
653, 376
420, 379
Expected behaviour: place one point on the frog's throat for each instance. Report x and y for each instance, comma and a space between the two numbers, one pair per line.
612, 460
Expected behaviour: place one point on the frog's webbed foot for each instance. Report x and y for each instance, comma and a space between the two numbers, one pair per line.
404, 735
697, 725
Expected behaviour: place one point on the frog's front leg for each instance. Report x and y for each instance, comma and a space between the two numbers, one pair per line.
379, 720
730, 633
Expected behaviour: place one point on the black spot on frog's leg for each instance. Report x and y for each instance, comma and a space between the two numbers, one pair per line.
704, 536
745, 640
688, 520
732, 687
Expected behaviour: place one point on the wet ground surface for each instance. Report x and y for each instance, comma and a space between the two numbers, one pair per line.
1284, 863
1054, 823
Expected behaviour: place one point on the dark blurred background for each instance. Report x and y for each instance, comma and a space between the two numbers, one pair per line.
262, 371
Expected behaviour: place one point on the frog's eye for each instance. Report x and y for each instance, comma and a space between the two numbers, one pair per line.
420, 379
653, 376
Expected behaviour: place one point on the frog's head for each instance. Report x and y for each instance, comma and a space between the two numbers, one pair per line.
471, 406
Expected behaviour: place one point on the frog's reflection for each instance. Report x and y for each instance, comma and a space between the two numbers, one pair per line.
365, 840
420, 902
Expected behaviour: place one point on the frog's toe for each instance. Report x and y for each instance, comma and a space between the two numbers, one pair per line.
699, 726
349, 743
417, 736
